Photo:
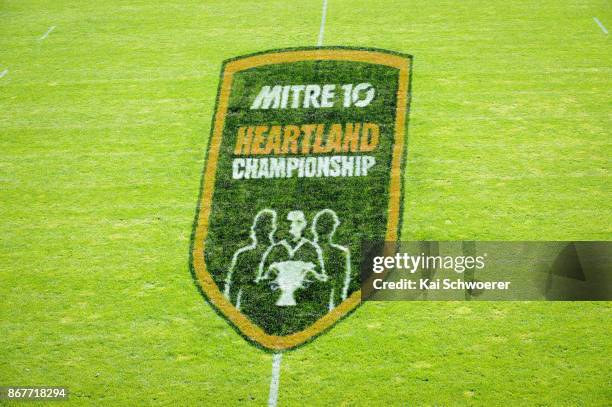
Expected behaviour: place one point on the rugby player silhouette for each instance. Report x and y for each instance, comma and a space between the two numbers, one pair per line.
245, 261
336, 258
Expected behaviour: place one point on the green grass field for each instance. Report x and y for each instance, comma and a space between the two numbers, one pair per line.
103, 131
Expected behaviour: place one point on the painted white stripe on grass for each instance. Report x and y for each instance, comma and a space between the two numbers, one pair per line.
3, 73
278, 357
45, 35
275, 380
601, 25
322, 27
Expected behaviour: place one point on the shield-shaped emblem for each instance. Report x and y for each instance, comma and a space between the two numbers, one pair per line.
305, 162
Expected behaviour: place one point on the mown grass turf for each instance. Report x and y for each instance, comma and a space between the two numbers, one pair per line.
104, 125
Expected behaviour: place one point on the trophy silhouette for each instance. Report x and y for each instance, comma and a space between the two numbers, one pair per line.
291, 276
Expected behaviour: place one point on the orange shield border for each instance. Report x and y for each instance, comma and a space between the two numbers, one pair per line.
204, 280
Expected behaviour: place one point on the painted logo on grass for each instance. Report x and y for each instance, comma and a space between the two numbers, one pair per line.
305, 162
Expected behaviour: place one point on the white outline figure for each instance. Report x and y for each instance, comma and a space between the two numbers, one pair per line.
344, 249
291, 273
298, 224
252, 246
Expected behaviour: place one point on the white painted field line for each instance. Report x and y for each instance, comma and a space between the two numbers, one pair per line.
276, 359
3, 73
45, 35
601, 25
275, 380
322, 27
